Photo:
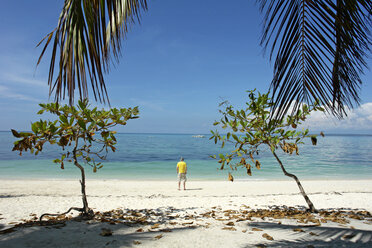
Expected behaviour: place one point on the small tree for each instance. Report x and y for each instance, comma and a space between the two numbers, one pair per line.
82, 133
259, 129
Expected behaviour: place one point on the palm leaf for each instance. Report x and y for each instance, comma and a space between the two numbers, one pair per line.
320, 49
88, 33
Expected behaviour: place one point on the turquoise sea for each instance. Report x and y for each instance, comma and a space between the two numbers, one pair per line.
154, 157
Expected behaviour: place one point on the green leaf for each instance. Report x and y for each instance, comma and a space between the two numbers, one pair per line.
235, 137
63, 119
82, 124
228, 135
81, 105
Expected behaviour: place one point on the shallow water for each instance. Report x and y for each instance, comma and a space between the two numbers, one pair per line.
154, 157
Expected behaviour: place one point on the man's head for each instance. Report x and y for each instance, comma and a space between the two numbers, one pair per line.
181, 159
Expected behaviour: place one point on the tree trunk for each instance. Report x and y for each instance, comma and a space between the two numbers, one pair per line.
307, 199
83, 194
86, 211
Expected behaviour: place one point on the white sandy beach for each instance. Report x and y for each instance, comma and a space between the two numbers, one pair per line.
180, 215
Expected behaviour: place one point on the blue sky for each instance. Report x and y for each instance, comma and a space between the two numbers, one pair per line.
184, 58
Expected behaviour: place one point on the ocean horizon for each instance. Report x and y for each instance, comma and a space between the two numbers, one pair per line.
153, 156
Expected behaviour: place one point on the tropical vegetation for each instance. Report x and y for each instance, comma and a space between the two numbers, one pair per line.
83, 134
252, 130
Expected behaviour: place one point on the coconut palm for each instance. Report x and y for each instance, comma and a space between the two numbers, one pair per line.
320, 49
88, 34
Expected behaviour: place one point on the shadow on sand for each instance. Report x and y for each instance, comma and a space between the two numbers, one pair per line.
76, 234
194, 189
314, 236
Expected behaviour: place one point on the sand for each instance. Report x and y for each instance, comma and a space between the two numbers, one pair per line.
179, 219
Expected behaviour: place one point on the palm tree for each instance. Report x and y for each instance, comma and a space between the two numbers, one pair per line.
88, 34
320, 49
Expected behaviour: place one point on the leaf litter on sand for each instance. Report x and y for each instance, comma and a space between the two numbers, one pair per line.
153, 218
267, 236
158, 236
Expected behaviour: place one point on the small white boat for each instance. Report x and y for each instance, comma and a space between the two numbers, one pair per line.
198, 136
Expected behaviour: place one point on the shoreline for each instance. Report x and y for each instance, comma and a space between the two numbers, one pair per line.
190, 179
25, 199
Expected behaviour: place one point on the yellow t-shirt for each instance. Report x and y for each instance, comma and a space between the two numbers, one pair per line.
181, 167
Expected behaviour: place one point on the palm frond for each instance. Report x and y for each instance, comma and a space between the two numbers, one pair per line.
87, 34
320, 49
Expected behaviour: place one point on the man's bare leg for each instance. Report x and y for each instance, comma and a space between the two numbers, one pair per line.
184, 185
179, 185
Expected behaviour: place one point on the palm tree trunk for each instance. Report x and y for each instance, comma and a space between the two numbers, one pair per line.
307, 199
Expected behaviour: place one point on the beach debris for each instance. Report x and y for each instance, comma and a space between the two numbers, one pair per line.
159, 236
298, 230
188, 223
244, 231
106, 232
256, 229
261, 246
267, 236
313, 234
230, 228
155, 226
349, 236
230, 177
136, 242
229, 217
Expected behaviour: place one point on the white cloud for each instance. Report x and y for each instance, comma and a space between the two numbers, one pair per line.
358, 119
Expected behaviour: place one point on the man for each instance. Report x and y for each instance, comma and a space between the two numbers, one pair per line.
181, 171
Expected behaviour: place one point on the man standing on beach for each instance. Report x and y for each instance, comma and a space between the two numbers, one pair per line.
181, 171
